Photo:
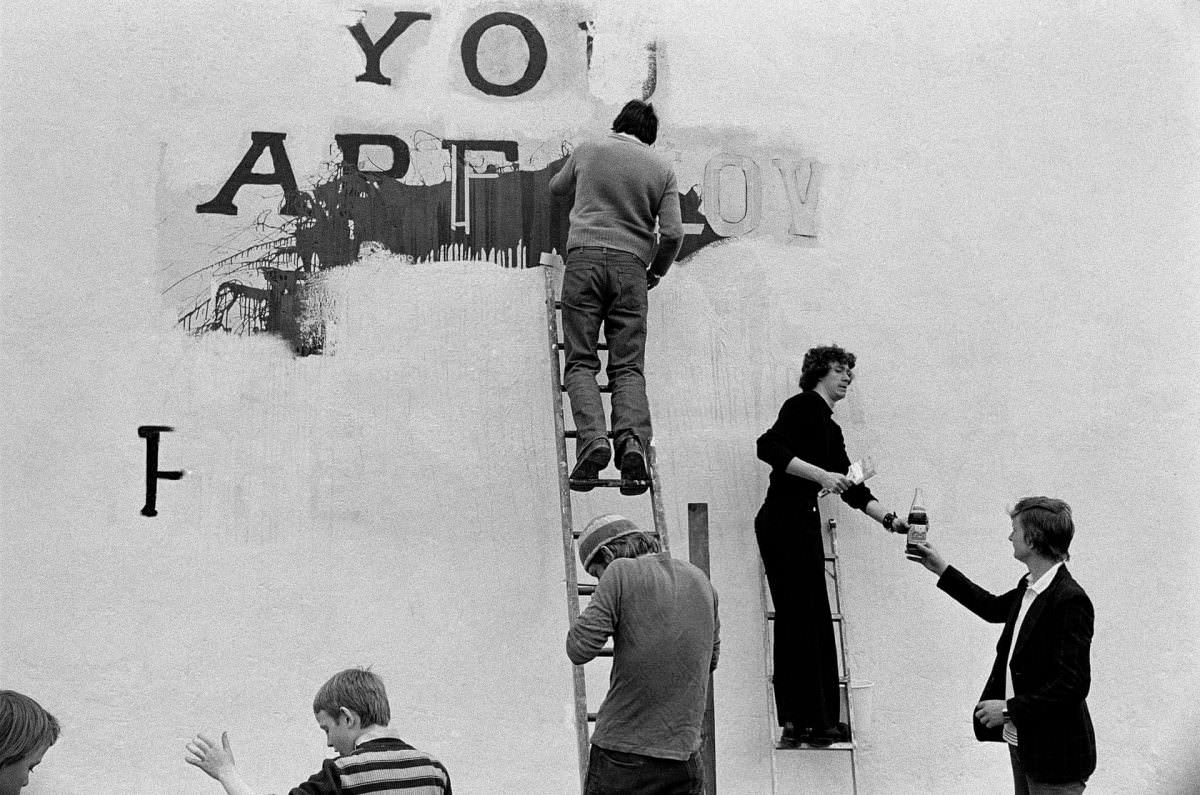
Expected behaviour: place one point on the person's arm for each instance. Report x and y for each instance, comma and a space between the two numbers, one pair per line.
217, 762
670, 233
1068, 662
716, 651
563, 182
798, 467
988, 606
783, 447
876, 511
596, 624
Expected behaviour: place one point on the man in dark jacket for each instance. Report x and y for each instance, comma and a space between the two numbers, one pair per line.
1035, 697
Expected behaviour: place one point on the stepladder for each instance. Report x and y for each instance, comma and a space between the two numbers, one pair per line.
835, 776
604, 495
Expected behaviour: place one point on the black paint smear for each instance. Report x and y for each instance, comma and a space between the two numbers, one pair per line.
510, 210
689, 210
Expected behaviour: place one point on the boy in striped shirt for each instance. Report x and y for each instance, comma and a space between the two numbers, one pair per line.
352, 709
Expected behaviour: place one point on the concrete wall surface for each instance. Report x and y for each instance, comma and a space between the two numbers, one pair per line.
1006, 235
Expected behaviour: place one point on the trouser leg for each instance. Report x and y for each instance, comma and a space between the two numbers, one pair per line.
805, 654
625, 331
583, 308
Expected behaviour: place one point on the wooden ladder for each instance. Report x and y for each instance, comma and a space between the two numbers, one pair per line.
574, 587
833, 577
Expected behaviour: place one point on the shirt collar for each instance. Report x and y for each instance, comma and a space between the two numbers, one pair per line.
374, 732
1044, 581
629, 138
817, 400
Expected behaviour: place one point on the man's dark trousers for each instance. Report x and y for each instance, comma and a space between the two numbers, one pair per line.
618, 773
606, 286
805, 675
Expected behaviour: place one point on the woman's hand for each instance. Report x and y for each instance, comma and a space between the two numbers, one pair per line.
834, 483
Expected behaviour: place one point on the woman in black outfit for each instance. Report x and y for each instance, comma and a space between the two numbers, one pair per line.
807, 453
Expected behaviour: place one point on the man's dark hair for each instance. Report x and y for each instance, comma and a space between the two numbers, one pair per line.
633, 545
1047, 525
639, 120
818, 361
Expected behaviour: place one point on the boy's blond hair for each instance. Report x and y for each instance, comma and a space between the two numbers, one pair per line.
356, 689
24, 727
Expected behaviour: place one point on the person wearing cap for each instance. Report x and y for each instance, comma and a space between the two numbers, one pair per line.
662, 616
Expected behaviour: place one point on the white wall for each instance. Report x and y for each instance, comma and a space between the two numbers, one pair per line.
1007, 240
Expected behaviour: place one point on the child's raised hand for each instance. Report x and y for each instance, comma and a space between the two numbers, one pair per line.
213, 759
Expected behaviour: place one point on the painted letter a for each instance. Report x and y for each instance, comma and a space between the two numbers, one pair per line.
244, 174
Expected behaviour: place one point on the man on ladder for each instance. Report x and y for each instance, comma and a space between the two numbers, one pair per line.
662, 616
807, 452
620, 189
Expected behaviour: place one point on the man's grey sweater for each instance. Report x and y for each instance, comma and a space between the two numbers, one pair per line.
620, 187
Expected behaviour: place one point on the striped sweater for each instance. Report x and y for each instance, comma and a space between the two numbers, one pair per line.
380, 766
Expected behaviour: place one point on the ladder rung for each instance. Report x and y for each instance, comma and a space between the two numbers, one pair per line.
562, 346
832, 616
605, 652
608, 483
603, 388
571, 433
587, 589
592, 716
834, 747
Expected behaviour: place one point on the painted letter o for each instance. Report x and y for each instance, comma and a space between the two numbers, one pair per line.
533, 40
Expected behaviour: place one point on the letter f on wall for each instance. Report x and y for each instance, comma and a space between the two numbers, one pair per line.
151, 433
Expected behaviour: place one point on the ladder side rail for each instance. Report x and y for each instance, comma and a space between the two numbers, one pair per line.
568, 535
656, 500
837, 595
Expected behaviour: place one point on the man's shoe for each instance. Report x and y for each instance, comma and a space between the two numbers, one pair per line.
789, 738
634, 477
593, 457
816, 739
823, 738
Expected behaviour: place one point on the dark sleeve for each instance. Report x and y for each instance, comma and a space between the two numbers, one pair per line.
794, 435
323, 782
1067, 661
857, 496
986, 605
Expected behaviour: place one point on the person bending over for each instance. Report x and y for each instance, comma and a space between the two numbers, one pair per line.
662, 616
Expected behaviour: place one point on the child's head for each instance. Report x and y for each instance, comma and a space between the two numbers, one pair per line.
349, 703
26, 731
